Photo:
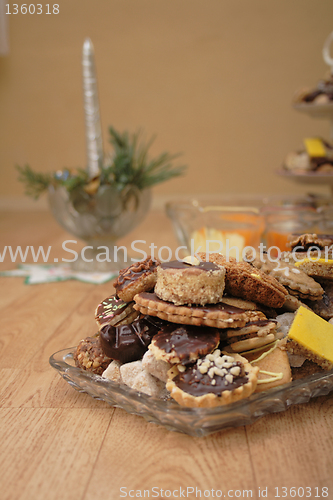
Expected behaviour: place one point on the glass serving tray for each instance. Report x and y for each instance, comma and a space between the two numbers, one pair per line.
192, 421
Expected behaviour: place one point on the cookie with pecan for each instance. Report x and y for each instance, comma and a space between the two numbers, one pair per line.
138, 277
303, 242
216, 380
242, 280
214, 315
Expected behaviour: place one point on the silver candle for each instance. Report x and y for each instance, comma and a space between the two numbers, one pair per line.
94, 141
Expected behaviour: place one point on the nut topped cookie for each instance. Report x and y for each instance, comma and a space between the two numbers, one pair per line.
183, 282
90, 356
138, 277
303, 242
242, 280
217, 379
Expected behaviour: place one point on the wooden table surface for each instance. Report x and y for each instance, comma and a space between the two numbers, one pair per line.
57, 443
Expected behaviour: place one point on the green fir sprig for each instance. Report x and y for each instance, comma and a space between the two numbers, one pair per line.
129, 165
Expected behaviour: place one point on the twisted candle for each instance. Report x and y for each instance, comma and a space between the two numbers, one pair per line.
94, 143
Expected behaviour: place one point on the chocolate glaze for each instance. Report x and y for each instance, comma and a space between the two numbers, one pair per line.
179, 264
260, 322
133, 272
207, 308
127, 342
197, 384
110, 307
185, 340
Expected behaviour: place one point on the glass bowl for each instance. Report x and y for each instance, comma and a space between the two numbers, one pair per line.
99, 220
230, 223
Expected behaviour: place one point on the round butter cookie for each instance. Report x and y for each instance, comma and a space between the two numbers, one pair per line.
218, 379
139, 277
214, 315
182, 282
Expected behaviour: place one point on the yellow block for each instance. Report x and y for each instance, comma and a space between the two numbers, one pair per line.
319, 261
313, 332
314, 147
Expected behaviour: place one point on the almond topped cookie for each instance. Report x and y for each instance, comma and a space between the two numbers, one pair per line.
217, 379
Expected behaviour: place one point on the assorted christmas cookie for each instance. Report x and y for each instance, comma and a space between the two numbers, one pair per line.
293, 279
217, 379
316, 157
273, 364
213, 315
114, 311
183, 282
255, 334
241, 280
308, 241
208, 333
138, 277
184, 344
324, 307
311, 336
319, 95
127, 343
90, 356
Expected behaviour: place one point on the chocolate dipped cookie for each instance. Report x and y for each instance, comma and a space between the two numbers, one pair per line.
114, 311
217, 379
138, 277
127, 342
183, 343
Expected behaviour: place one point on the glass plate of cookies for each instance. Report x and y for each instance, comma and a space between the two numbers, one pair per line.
191, 421
200, 346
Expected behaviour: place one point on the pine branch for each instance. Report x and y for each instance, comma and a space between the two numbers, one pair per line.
130, 166
35, 183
